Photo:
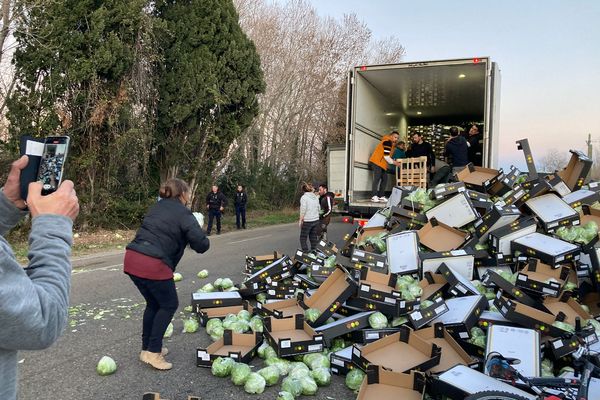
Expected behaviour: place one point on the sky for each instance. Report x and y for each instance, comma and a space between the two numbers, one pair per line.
548, 52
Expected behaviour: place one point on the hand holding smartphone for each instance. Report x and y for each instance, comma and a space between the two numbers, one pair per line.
47, 159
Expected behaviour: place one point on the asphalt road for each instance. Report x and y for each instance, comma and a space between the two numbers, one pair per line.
106, 320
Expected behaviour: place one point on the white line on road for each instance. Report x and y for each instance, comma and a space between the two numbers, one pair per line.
77, 271
247, 240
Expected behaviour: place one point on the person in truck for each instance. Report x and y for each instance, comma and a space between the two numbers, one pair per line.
421, 148
326, 202
215, 203
378, 162
399, 153
457, 150
475, 146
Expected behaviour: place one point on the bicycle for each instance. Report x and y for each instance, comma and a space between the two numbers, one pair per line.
586, 365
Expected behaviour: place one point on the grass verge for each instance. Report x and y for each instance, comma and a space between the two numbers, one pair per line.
99, 241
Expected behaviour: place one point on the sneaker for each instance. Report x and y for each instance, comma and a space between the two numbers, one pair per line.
375, 199
383, 199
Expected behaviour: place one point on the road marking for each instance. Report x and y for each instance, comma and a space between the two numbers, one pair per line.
78, 271
247, 240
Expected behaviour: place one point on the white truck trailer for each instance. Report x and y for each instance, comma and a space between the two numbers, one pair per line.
427, 97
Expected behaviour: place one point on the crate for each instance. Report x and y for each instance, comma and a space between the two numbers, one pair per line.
412, 172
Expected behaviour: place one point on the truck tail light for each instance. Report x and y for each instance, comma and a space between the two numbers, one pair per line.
347, 220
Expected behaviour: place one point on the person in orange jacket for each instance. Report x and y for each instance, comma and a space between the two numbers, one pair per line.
381, 157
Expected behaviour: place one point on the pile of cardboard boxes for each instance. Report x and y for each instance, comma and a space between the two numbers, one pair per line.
486, 257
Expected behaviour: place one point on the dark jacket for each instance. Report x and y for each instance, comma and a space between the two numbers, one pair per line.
241, 199
420, 150
457, 151
475, 149
326, 203
166, 230
215, 201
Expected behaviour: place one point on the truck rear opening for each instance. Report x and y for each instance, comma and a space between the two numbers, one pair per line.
425, 97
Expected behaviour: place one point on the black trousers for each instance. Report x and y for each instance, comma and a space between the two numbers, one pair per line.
212, 214
379, 180
240, 213
161, 304
310, 231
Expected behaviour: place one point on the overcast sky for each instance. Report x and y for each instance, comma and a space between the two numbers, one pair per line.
548, 52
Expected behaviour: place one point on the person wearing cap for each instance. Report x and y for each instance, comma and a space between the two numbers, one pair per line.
378, 162
457, 150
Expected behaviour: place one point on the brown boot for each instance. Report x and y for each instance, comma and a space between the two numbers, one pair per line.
158, 361
144, 356
164, 351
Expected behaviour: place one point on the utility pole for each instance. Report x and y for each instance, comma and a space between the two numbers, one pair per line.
590, 149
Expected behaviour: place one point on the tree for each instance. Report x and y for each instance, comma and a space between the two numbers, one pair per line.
208, 82
553, 161
74, 67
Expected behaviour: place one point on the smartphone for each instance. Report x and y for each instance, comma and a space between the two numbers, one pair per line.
52, 163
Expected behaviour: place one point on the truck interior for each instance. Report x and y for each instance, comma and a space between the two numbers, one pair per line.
420, 97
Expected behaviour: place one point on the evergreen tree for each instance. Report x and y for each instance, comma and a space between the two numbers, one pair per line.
208, 82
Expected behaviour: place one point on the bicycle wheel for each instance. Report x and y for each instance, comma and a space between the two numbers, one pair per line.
495, 395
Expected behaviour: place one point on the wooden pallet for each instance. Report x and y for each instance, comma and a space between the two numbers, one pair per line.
412, 172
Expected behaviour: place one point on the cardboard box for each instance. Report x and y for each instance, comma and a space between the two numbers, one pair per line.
491, 278
363, 259
305, 282
461, 381
449, 189
458, 285
558, 185
576, 171
433, 286
549, 250
204, 314
566, 309
463, 314
326, 248
215, 299
403, 253
500, 239
239, 346
370, 335
319, 272
478, 196
520, 343
346, 310
452, 354
527, 317
506, 183
580, 197
495, 219
439, 237
280, 309
398, 309
276, 271
456, 211
407, 215
379, 287
401, 352
292, 336
341, 361
536, 275
377, 220
364, 233
538, 188
553, 212
462, 261
523, 145
479, 178
512, 197
308, 258
381, 384
423, 316
256, 263
395, 197
343, 326
490, 318
330, 295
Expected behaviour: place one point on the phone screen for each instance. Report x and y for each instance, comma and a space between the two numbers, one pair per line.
52, 163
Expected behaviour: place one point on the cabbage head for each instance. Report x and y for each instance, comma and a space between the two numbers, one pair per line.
309, 386
377, 320
177, 277
255, 384
190, 325
312, 315
169, 331
203, 274
354, 379
245, 315
222, 366
226, 284
271, 375
292, 385
322, 376
106, 366
285, 396
240, 373
256, 324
